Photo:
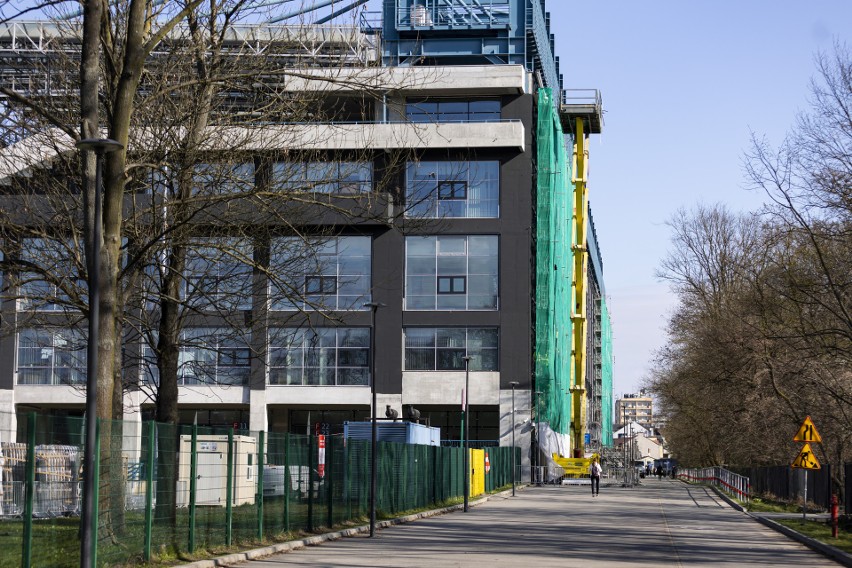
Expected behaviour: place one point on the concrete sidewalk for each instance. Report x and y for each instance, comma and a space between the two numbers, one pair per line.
661, 523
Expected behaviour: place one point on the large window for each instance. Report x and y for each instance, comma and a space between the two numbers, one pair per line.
214, 356
452, 110
222, 179
40, 289
345, 178
453, 189
320, 274
51, 356
451, 273
319, 356
444, 349
219, 274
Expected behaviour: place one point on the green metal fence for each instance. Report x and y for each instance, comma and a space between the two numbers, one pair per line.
170, 491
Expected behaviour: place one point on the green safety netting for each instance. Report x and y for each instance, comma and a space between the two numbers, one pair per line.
554, 203
606, 375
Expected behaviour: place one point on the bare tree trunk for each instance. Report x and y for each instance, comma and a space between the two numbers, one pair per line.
168, 348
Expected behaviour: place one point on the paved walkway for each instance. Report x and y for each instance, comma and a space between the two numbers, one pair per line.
661, 523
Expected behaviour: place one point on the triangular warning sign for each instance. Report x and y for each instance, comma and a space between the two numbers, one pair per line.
806, 459
808, 432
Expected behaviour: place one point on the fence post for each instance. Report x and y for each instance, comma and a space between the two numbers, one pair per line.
229, 489
329, 483
260, 454
288, 481
193, 485
29, 493
310, 483
149, 492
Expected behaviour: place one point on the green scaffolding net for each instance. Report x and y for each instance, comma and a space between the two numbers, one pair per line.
555, 194
606, 375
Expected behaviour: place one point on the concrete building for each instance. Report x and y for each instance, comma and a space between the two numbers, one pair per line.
635, 407
465, 86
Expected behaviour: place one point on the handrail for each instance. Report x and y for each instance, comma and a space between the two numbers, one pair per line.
729, 482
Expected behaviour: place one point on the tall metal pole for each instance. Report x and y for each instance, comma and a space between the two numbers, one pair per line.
514, 384
466, 443
89, 540
373, 430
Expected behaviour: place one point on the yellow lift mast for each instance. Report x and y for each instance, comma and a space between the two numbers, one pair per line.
582, 116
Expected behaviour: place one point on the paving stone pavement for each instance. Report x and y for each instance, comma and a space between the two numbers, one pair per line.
660, 523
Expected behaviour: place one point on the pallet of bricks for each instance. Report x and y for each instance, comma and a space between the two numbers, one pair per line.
57, 480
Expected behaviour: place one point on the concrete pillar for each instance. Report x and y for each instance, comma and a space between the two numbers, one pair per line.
8, 420
132, 444
258, 418
522, 425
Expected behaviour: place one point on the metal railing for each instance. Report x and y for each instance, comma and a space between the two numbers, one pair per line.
734, 484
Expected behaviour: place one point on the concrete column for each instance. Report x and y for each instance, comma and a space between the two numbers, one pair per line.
8, 420
523, 425
132, 444
258, 419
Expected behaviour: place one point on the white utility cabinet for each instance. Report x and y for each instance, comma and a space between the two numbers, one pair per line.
212, 469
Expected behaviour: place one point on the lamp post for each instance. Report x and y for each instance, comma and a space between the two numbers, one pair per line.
373, 433
514, 384
466, 442
99, 146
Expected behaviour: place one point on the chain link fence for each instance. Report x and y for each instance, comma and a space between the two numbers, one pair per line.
175, 492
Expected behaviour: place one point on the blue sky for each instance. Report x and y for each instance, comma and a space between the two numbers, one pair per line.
683, 84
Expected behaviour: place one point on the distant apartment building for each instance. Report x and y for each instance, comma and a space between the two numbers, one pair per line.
636, 407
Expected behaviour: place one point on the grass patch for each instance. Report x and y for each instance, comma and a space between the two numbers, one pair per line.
822, 532
766, 505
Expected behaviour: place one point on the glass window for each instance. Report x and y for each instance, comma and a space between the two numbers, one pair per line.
452, 110
51, 356
444, 349
219, 274
452, 272
223, 179
320, 274
343, 178
322, 356
453, 189
44, 289
214, 356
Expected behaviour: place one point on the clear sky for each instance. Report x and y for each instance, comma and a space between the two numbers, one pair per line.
683, 85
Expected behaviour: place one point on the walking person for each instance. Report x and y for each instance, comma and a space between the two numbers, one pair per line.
595, 470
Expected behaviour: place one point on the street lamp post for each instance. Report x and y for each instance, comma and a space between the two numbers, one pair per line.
514, 384
466, 444
373, 431
99, 146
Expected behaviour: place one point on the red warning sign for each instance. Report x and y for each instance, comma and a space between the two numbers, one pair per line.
321, 455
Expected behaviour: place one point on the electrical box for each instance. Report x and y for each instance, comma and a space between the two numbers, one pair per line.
211, 480
399, 432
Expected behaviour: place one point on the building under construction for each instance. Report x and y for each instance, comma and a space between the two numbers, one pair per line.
485, 267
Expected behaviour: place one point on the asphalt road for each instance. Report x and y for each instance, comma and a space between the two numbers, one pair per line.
661, 523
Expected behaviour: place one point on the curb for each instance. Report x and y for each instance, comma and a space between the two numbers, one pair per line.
834, 553
288, 546
733, 504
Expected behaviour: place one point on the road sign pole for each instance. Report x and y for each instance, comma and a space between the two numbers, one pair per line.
805, 503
